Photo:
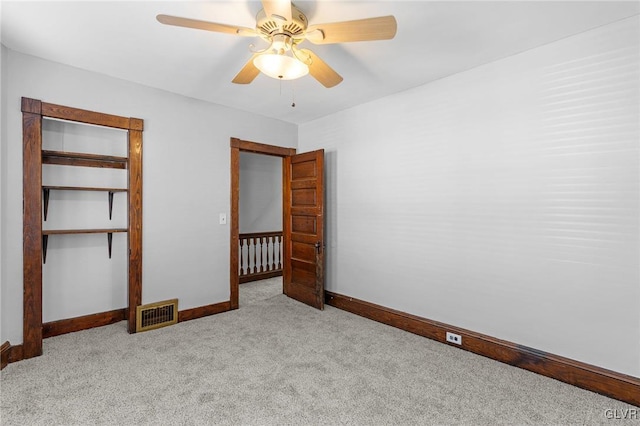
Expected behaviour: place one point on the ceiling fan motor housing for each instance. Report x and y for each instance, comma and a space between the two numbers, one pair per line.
269, 26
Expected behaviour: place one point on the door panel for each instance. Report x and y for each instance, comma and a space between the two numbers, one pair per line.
303, 197
303, 251
303, 170
303, 273
303, 226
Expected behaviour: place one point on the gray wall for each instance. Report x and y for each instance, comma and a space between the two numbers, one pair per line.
260, 193
502, 200
186, 168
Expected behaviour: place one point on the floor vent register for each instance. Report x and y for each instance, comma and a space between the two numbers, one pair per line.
156, 315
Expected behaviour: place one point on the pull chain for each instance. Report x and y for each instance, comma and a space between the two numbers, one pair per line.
293, 93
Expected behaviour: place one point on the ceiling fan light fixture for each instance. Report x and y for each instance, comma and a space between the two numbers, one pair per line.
281, 24
281, 67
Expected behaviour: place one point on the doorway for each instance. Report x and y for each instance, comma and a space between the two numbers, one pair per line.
260, 217
238, 146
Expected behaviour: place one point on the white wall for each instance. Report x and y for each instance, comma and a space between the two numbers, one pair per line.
502, 200
260, 193
186, 173
78, 277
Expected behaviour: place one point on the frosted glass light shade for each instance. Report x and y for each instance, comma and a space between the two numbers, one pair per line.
281, 67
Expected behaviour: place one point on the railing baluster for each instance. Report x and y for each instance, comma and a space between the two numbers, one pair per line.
279, 251
261, 239
266, 254
268, 263
241, 258
265, 250
272, 264
255, 256
273, 252
248, 256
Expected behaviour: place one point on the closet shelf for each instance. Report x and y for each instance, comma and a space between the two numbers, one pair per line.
47, 188
82, 231
65, 158
47, 232
83, 188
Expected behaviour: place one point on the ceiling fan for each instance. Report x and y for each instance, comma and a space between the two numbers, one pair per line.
284, 27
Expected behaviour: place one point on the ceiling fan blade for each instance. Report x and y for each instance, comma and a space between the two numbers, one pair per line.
281, 8
380, 28
321, 71
248, 73
205, 25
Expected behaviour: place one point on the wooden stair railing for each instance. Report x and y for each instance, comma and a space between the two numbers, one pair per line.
260, 256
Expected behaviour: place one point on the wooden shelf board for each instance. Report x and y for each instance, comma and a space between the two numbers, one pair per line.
82, 231
66, 158
83, 188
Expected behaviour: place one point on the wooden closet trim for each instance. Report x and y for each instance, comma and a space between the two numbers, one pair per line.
88, 117
32, 227
33, 111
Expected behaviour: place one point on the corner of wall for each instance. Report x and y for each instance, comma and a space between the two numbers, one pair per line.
3, 159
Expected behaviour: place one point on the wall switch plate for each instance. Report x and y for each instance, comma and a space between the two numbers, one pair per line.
223, 218
454, 338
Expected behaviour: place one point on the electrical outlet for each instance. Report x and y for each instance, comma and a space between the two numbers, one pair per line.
454, 338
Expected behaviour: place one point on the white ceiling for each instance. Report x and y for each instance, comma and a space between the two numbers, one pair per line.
435, 39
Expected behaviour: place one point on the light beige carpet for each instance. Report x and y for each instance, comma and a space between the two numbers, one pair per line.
277, 361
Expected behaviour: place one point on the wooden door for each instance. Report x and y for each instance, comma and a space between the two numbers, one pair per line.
303, 228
